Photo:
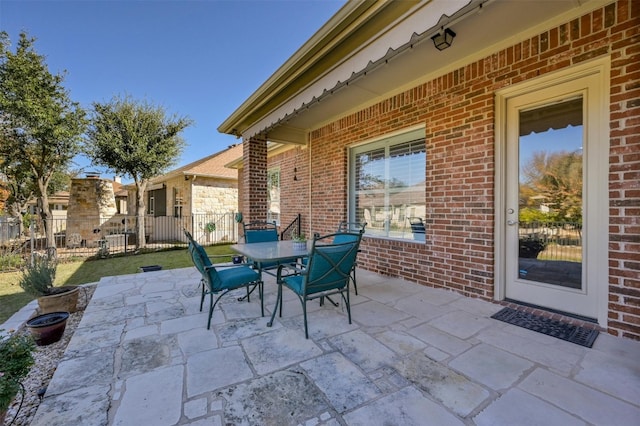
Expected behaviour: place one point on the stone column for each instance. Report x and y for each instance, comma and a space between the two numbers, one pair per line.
91, 204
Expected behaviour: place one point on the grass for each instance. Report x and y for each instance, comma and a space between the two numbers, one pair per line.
13, 298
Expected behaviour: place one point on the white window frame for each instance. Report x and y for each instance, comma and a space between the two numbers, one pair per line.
388, 223
271, 216
178, 202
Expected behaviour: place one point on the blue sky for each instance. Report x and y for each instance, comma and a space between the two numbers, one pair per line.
199, 59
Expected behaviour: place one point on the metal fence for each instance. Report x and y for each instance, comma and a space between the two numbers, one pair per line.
552, 240
107, 236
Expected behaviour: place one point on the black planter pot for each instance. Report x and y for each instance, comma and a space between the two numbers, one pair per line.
151, 268
48, 328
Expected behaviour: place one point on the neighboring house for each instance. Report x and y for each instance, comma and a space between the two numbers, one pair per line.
194, 193
58, 204
380, 124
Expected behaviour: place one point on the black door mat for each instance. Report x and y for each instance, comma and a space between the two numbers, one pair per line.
561, 330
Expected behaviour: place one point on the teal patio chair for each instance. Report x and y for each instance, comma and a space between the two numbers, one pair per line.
262, 232
345, 231
222, 281
328, 272
418, 228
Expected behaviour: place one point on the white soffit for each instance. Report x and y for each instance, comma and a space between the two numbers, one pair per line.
403, 55
425, 17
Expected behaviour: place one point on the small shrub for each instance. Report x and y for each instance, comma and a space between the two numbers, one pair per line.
15, 361
38, 276
10, 261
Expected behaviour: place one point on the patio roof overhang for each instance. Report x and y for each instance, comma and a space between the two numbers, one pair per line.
370, 50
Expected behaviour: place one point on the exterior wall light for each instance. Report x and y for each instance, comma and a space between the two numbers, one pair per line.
443, 39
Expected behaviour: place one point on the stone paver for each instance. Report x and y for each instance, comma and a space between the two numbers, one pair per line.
413, 356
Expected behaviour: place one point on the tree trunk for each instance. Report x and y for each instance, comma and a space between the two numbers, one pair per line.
15, 211
47, 217
140, 212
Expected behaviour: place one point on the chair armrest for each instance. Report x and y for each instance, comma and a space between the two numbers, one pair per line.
223, 264
288, 270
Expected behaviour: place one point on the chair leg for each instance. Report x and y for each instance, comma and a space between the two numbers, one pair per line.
261, 293
212, 305
202, 285
347, 303
304, 311
353, 278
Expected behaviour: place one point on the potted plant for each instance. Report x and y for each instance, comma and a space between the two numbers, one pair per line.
16, 360
299, 241
37, 280
209, 228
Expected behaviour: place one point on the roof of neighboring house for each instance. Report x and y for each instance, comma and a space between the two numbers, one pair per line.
60, 197
118, 189
213, 165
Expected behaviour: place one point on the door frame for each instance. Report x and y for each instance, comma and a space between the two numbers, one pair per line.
598, 209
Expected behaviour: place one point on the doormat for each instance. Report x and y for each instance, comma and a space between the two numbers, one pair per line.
561, 330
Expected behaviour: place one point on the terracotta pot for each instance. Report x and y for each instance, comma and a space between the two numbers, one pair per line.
60, 302
48, 328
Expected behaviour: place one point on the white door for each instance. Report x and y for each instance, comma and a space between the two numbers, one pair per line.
554, 224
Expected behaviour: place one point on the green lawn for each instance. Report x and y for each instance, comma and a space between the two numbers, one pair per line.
12, 297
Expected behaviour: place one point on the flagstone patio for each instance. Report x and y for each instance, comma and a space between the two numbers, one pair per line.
412, 356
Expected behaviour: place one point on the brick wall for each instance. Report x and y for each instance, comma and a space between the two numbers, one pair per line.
620, 24
294, 194
253, 203
458, 110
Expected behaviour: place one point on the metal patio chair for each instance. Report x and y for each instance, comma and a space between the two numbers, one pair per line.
328, 272
262, 232
223, 280
418, 228
345, 229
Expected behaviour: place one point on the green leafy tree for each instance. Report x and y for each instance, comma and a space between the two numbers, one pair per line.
40, 127
556, 179
136, 140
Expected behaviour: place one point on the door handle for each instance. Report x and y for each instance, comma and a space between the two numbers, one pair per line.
512, 222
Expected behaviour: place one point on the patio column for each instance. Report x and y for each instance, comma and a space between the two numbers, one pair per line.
254, 179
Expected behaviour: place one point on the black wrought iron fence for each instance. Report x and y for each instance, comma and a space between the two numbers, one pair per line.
107, 236
551, 240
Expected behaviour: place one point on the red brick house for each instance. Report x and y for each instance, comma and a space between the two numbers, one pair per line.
502, 125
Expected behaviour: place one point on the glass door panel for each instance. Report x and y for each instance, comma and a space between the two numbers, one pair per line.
550, 202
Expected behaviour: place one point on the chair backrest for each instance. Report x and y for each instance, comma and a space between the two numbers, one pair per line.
345, 226
204, 266
417, 227
330, 262
260, 232
348, 230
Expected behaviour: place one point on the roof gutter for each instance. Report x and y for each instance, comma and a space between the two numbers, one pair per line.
351, 26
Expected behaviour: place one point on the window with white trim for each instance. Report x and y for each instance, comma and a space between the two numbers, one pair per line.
387, 185
273, 195
178, 202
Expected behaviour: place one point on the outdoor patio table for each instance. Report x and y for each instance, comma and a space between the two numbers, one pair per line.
270, 252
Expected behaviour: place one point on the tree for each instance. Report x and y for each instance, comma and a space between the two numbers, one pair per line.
136, 140
557, 179
40, 127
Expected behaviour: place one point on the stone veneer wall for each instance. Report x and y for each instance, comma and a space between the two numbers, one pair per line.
215, 197
91, 203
